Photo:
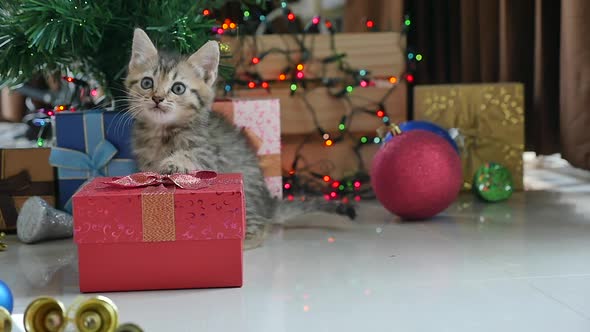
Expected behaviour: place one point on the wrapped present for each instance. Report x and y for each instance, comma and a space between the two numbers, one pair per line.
90, 144
149, 231
23, 173
488, 118
261, 121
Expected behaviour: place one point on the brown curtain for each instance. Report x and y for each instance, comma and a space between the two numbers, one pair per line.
541, 43
544, 44
575, 82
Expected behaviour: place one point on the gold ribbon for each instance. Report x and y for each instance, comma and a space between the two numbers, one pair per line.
157, 214
490, 117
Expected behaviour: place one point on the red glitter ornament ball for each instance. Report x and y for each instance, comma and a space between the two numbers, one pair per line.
416, 175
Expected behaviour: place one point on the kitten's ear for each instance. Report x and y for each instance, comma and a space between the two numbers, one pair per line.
207, 59
142, 49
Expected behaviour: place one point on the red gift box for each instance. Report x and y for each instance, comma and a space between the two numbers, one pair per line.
160, 233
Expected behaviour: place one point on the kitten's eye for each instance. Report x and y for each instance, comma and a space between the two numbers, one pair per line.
178, 88
147, 83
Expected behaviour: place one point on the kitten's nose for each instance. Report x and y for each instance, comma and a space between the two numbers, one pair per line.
157, 99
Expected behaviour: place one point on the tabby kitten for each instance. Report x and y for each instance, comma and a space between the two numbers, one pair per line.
170, 97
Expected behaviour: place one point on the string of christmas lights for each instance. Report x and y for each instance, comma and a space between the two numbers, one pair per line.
303, 179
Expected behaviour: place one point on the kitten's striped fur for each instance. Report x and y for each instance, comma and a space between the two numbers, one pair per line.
182, 134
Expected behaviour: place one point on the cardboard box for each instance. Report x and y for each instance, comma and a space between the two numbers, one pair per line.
23, 173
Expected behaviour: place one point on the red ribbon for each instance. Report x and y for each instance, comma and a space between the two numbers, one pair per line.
194, 180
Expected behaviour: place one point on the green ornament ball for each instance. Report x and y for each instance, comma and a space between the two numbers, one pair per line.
493, 182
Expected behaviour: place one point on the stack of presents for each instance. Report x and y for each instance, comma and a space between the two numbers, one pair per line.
136, 229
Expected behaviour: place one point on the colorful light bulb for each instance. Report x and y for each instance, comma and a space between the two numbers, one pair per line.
206, 12
315, 20
370, 24
282, 77
255, 60
327, 178
264, 85
251, 85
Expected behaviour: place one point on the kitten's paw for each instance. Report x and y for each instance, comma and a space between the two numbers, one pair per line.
176, 165
254, 236
173, 169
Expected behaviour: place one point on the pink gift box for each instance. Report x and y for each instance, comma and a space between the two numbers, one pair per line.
261, 121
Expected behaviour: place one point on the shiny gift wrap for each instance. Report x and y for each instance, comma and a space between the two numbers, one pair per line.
489, 119
149, 231
90, 144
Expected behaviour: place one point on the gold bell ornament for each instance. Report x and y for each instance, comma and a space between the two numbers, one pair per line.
97, 314
5, 320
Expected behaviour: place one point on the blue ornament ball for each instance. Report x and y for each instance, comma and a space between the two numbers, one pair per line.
425, 125
6, 299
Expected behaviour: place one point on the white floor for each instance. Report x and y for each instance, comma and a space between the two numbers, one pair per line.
522, 265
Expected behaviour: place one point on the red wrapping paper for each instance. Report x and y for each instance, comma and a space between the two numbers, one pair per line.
160, 236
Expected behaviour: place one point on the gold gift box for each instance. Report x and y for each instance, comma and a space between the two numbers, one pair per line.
489, 119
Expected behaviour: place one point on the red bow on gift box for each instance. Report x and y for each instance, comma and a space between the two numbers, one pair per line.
193, 180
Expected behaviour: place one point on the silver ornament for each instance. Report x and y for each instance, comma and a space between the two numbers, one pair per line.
38, 221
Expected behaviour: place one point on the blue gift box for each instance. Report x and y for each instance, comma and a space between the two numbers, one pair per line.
89, 144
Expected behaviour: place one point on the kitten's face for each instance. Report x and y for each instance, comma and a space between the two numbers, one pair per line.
167, 90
